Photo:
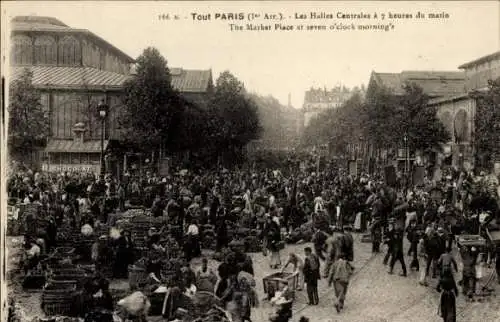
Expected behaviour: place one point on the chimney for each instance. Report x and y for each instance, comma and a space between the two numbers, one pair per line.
289, 99
79, 132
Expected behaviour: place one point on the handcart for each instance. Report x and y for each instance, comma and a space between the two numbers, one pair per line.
276, 281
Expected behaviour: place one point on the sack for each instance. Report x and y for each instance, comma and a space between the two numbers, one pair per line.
87, 230
136, 304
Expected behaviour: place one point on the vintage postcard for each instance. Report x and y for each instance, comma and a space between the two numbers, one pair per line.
250, 161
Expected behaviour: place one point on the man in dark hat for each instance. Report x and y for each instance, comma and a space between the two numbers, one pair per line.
311, 275
397, 252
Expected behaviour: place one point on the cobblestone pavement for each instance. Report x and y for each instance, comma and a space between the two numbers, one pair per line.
373, 295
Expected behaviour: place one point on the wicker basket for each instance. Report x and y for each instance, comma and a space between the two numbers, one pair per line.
57, 307
137, 276
56, 301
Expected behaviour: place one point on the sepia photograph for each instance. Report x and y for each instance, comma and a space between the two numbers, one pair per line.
250, 161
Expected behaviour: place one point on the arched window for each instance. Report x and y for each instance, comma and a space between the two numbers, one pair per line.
69, 51
461, 125
447, 120
22, 50
45, 50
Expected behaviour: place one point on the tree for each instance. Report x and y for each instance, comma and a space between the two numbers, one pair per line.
28, 120
151, 103
389, 117
337, 126
487, 124
236, 119
419, 121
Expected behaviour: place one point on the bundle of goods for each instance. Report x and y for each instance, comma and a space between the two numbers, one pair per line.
137, 274
321, 221
57, 298
253, 244
134, 212
202, 302
136, 304
304, 232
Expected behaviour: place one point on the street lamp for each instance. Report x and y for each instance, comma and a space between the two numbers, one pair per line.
405, 138
103, 111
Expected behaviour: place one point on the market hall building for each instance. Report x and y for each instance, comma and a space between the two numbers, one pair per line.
75, 70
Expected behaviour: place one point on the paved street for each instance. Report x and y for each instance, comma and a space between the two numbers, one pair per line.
373, 296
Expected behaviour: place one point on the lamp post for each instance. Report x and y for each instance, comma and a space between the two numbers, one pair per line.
103, 111
406, 154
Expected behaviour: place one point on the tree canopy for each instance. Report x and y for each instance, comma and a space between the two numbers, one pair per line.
28, 120
236, 116
382, 119
487, 124
151, 103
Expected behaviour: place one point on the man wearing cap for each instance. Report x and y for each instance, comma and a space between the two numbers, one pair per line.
469, 258
311, 276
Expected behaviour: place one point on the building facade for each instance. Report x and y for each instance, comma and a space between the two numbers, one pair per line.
317, 100
74, 70
458, 112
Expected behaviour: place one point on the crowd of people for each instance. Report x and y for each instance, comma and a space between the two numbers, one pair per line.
278, 204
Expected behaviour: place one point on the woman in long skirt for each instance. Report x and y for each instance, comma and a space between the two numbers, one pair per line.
447, 307
273, 243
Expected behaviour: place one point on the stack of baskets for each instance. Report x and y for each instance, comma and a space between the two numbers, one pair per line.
57, 298
74, 274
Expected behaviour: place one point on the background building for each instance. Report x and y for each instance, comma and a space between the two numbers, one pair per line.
317, 100
458, 112
74, 70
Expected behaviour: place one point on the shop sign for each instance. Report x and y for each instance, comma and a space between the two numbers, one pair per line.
93, 168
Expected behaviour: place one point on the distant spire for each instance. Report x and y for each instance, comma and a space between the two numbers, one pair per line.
289, 99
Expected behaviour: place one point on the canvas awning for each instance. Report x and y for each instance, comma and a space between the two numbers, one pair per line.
75, 146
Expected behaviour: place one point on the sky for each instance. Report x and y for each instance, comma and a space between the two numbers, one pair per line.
279, 63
